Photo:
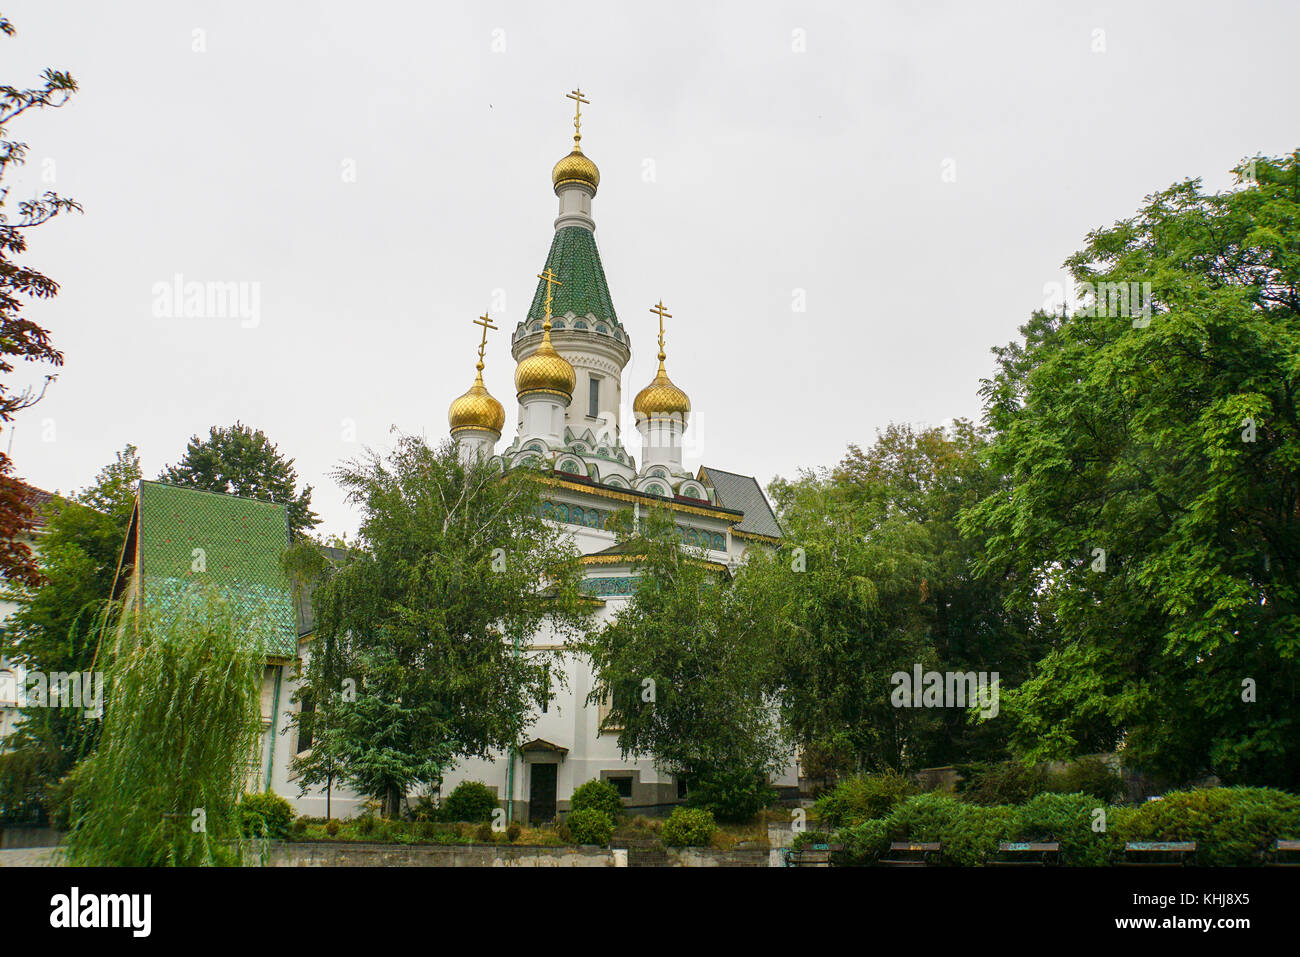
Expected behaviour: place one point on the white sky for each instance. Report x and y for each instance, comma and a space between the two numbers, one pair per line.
775, 171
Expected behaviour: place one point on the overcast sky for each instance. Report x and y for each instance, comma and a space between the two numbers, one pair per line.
381, 173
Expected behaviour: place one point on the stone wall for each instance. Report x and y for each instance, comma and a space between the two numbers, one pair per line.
357, 854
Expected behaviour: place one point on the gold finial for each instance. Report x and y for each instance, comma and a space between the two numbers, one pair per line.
550, 279
486, 322
662, 314
578, 99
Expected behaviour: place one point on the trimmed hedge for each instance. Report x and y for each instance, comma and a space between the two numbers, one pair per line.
1230, 825
470, 801
265, 814
862, 798
597, 795
689, 827
590, 826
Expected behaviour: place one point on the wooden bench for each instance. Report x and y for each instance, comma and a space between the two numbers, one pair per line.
913, 854
818, 855
1027, 854
1158, 853
1283, 854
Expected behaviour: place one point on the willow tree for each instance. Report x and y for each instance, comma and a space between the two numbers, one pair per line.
182, 721
418, 655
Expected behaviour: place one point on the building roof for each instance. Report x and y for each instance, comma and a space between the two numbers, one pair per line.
743, 492
37, 498
575, 260
242, 540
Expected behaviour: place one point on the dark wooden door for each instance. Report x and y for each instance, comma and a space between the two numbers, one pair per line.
541, 793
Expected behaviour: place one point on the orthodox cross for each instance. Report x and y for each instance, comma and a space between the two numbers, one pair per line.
578, 99
663, 314
486, 323
550, 279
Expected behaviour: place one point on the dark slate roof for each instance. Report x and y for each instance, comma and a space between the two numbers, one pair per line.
306, 613
242, 540
37, 498
743, 492
576, 262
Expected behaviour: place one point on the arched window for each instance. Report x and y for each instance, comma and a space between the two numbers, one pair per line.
655, 489
579, 324
569, 465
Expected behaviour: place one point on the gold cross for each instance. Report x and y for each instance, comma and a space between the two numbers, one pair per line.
662, 314
486, 322
550, 279
578, 99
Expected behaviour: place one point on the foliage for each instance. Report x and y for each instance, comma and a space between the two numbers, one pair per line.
415, 661
597, 795
731, 794
266, 814
1087, 776
57, 629
240, 460
1003, 782
689, 827
1230, 825
685, 667
877, 577
182, 717
469, 801
862, 797
1149, 480
1068, 819
590, 826
21, 338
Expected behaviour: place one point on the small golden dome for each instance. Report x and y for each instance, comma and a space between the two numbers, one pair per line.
661, 397
476, 409
545, 370
576, 168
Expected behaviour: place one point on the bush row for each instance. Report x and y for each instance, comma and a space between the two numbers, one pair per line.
1231, 826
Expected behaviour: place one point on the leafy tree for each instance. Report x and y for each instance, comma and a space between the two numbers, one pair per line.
417, 659
183, 715
58, 626
1150, 490
876, 577
684, 667
21, 338
240, 460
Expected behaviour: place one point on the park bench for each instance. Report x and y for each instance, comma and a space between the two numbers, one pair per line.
816, 855
913, 854
1027, 854
1283, 854
1158, 853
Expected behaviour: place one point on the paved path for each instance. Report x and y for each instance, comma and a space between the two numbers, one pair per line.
29, 857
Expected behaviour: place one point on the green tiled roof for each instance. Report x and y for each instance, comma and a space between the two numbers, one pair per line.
242, 541
576, 262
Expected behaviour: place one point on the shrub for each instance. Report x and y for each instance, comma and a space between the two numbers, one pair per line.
1087, 776
689, 827
597, 795
1066, 818
969, 833
513, 831
366, 824
1230, 825
265, 815
862, 798
563, 833
332, 827
470, 801
484, 833
1007, 782
865, 842
731, 795
590, 826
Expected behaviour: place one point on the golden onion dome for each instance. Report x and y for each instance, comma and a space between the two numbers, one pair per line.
476, 409
576, 168
545, 370
661, 397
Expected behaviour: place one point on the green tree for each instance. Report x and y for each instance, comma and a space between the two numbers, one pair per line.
20, 337
240, 460
1150, 469
57, 628
417, 658
684, 667
183, 715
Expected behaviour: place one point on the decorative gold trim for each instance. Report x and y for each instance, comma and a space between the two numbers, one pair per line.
635, 559
757, 537
600, 491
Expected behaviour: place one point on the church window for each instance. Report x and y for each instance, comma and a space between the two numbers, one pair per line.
593, 397
570, 466
537, 327
622, 784
602, 328
580, 324
655, 489
305, 711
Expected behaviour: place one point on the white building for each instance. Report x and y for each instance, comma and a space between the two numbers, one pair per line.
571, 349
11, 673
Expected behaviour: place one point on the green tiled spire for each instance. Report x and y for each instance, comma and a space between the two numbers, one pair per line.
575, 260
